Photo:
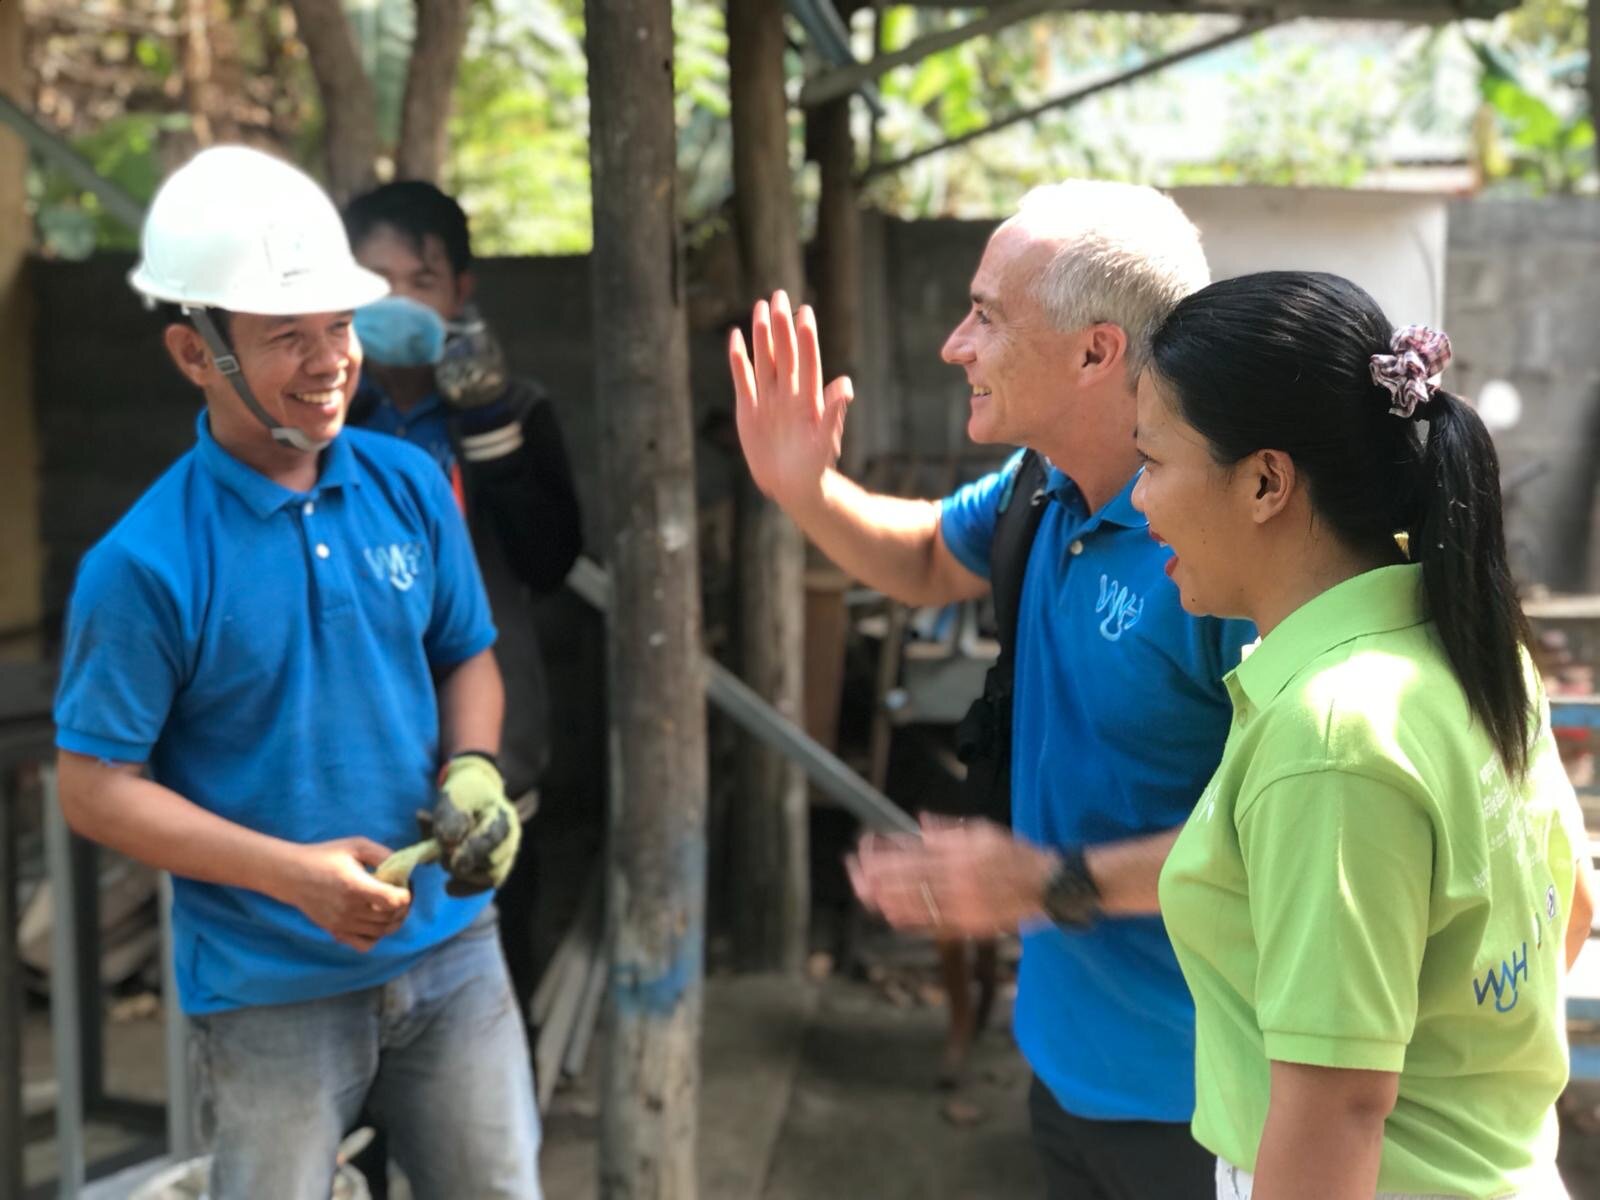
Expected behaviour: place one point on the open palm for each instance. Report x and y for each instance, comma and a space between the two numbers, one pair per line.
790, 426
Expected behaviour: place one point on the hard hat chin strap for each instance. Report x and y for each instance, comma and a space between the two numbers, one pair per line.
228, 363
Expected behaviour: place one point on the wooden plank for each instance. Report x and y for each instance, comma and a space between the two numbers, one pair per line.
1563, 608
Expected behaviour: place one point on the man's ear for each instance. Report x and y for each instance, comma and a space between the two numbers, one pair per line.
466, 287
188, 351
1273, 479
1105, 349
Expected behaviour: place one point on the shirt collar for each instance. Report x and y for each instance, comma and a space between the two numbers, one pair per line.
428, 404
1377, 601
1119, 510
260, 494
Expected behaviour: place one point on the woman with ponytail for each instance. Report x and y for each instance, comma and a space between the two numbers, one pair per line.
1371, 899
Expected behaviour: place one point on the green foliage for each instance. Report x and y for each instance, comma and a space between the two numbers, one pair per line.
519, 158
1296, 124
519, 129
1535, 132
71, 223
384, 31
519, 135
970, 85
701, 109
1551, 28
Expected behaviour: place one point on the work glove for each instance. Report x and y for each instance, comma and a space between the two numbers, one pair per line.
473, 830
477, 828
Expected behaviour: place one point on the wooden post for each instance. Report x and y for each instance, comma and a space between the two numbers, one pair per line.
20, 549
838, 254
837, 276
769, 822
655, 891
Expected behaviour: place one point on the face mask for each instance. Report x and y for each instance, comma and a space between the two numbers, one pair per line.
399, 332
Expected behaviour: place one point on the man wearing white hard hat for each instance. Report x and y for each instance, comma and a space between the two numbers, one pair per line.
275, 660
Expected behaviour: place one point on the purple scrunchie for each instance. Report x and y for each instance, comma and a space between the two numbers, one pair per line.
1419, 355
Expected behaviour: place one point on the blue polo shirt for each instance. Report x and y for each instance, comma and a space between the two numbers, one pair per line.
1119, 719
270, 654
425, 424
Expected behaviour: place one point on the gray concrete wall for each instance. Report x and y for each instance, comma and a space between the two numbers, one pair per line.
1522, 306
913, 406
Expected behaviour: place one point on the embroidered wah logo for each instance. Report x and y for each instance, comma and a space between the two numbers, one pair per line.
399, 563
1121, 607
1502, 982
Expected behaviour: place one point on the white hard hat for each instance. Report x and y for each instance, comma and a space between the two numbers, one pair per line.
238, 229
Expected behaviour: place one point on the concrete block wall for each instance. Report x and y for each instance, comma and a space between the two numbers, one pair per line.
1522, 307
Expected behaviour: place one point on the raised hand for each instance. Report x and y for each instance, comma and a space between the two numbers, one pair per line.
790, 427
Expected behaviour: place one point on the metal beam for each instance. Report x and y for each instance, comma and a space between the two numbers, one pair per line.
11, 1110
844, 80
181, 1125
758, 718
55, 149
830, 38
1077, 95
66, 993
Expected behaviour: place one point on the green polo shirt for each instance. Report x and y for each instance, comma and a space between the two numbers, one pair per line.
1361, 886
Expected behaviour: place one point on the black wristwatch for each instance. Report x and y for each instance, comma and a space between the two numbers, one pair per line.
1071, 898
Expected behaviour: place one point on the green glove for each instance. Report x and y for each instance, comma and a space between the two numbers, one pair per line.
396, 869
476, 826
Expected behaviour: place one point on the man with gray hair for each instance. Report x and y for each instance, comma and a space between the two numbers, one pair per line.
1117, 713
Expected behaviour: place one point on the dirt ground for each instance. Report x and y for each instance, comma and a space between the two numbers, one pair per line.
819, 1092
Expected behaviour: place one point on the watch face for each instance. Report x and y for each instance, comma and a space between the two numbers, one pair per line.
1072, 898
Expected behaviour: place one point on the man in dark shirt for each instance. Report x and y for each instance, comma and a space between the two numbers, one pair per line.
498, 440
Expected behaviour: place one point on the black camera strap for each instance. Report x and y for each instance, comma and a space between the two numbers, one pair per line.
984, 736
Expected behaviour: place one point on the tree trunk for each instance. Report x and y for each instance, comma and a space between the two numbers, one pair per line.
21, 586
197, 68
769, 821
1594, 70
350, 110
656, 872
430, 79
838, 251
836, 267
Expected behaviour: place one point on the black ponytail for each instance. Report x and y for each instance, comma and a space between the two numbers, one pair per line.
1282, 360
1459, 539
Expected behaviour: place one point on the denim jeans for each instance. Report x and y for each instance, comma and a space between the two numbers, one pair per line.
438, 1055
